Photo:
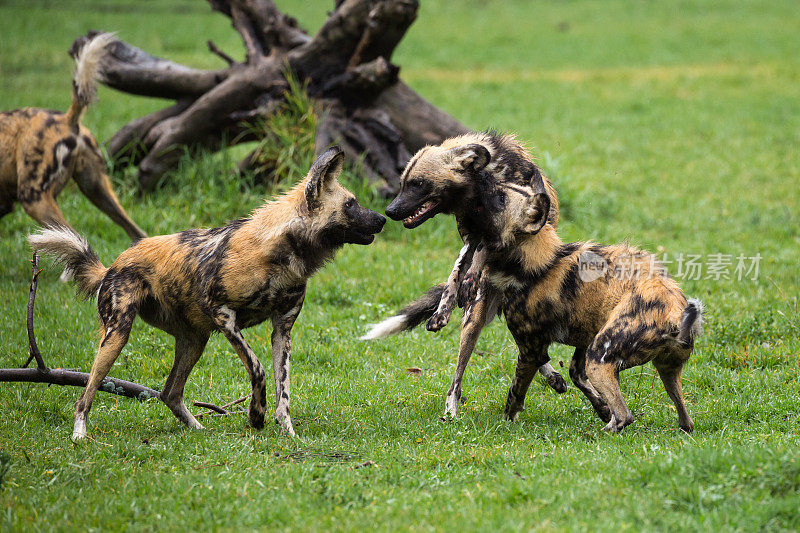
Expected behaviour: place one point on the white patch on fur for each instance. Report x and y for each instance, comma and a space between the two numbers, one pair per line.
547, 370
87, 66
390, 326
230, 320
697, 325
62, 151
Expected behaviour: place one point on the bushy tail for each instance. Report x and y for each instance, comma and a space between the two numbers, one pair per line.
691, 322
409, 317
87, 66
71, 250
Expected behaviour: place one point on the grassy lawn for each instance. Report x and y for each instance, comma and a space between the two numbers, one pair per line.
674, 125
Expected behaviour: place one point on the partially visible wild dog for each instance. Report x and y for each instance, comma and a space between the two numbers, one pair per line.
615, 304
43, 149
201, 281
450, 178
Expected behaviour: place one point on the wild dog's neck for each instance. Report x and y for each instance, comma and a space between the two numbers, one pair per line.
284, 226
529, 255
537, 251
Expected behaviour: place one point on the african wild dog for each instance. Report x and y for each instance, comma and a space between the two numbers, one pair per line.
201, 281
625, 312
42, 149
449, 178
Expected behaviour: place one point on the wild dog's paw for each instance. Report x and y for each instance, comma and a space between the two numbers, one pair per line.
256, 419
79, 430
616, 425
286, 424
513, 407
437, 321
468, 289
451, 404
557, 383
603, 412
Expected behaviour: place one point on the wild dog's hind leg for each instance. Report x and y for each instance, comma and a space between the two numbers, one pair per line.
96, 186
577, 372
529, 361
281, 360
604, 376
117, 328
226, 320
670, 373
188, 349
477, 315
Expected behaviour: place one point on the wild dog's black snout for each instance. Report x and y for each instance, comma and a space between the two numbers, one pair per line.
380, 220
373, 221
363, 224
395, 209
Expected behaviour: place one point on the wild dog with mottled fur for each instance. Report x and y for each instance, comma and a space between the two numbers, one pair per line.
632, 314
201, 281
43, 149
615, 304
448, 179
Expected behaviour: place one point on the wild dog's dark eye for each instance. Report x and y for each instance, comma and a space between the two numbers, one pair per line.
349, 204
416, 182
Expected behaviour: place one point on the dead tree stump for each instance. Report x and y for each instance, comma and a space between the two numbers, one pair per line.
346, 69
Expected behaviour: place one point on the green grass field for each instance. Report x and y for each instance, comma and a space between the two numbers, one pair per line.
674, 125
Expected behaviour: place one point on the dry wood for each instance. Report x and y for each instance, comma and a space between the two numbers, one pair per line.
346, 68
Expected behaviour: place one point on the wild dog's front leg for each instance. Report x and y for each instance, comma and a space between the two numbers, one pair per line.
447, 303
226, 320
476, 316
468, 289
281, 361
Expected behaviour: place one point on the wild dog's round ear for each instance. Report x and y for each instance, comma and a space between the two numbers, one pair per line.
537, 206
474, 156
325, 169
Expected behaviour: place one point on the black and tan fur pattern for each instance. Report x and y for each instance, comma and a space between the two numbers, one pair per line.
43, 149
632, 314
625, 315
452, 178
200, 281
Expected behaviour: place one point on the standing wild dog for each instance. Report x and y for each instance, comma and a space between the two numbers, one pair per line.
448, 178
40, 150
615, 304
624, 312
201, 281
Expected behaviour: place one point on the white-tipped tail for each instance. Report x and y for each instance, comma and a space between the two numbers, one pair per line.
87, 70
73, 251
386, 328
691, 322
697, 325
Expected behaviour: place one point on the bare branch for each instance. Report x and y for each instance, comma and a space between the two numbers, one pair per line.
32, 346
215, 50
128, 142
388, 22
243, 25
60, 376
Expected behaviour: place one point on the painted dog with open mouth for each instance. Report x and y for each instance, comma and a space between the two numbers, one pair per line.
615, 304
200, 281
445, 179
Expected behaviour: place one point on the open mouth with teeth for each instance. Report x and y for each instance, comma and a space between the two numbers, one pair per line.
423, 213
